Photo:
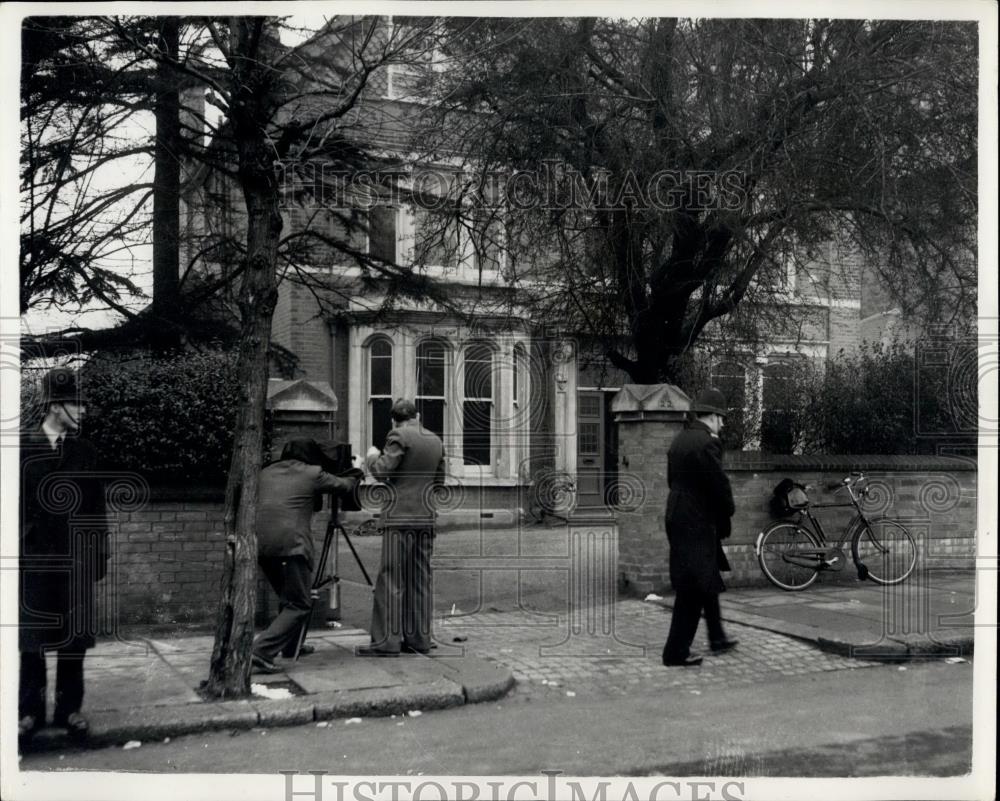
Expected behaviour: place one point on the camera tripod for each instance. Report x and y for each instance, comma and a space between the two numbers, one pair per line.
321, 580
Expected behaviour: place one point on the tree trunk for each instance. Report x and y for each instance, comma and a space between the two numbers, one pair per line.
229, 675
167, 176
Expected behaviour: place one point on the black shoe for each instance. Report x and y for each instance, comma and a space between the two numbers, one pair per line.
367, 650
76, 725
305, 650
690, 661
721, 646
26, 728
409, 649
261, 665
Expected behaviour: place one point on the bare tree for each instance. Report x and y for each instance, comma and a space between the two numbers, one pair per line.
681, 167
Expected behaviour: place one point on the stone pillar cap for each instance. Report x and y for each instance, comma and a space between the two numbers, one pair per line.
650, 397
300, 395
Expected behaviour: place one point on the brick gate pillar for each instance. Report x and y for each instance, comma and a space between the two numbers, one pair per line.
648, 417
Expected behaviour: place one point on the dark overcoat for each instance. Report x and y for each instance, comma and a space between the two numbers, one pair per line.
64, 545
699, 507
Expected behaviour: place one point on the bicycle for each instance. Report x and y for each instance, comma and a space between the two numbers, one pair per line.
793, 554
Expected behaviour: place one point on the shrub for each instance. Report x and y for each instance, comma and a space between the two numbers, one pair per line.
882, 399
170, 418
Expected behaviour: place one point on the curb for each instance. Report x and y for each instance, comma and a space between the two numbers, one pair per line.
888, 648
481, 682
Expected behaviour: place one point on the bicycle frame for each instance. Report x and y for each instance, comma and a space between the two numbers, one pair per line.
817, 525
822, 555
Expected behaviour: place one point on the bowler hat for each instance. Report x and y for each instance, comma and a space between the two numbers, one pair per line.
710, 401
403, 409
60, 385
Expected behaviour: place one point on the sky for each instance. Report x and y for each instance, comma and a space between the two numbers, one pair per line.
137, 264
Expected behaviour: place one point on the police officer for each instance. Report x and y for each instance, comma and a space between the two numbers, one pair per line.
64, 551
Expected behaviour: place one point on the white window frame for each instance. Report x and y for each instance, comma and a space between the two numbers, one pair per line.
369, 427
492, 469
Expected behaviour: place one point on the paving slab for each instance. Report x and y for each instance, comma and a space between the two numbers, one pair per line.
151, 683
927, 615
151, 692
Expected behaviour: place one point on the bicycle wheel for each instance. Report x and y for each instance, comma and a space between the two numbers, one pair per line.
886, 548
779, 541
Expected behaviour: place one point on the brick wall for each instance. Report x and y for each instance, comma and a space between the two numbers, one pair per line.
340, 380
934, 497
167, 559
845, 329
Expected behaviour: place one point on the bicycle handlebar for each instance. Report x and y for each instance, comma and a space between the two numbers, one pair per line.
855, 478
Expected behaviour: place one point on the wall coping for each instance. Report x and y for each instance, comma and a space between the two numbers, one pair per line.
185, 492
761, 462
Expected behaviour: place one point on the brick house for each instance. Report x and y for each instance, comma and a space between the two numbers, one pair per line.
515, 401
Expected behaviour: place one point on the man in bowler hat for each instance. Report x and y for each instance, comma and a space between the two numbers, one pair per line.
412, 464
63, 553
699, 509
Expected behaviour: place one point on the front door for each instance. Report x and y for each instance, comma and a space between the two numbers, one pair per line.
590, 450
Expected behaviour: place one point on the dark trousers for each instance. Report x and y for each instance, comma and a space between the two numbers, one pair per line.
289, 577
688, 606
403, 604
69, 684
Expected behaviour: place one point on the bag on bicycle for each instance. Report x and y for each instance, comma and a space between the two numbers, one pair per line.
788, 497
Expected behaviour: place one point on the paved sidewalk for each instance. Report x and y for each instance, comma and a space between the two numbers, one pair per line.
928, 615
148, 689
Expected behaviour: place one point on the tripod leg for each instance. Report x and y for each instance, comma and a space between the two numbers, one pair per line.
317, 582
304, 631
356, 557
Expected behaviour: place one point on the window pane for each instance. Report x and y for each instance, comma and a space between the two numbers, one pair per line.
380, 360
381, 420
431, 411
476, 424
777, 433
729, 378
347, 227
430, 370
435, 239
487, 241
479, 372
382, 233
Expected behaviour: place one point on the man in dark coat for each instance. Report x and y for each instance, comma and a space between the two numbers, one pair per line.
63, 553
287, 497
699, 509
412, 464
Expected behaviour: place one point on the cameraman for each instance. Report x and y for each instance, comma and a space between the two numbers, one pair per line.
285, 551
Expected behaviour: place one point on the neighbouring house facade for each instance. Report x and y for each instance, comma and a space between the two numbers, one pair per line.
520, 404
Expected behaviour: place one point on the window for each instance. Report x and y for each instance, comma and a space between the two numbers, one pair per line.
777, 425
520, 388
487, 241
382, 233
477, 405
435, 239
730, 378
346, 226
379, 391
431, 362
